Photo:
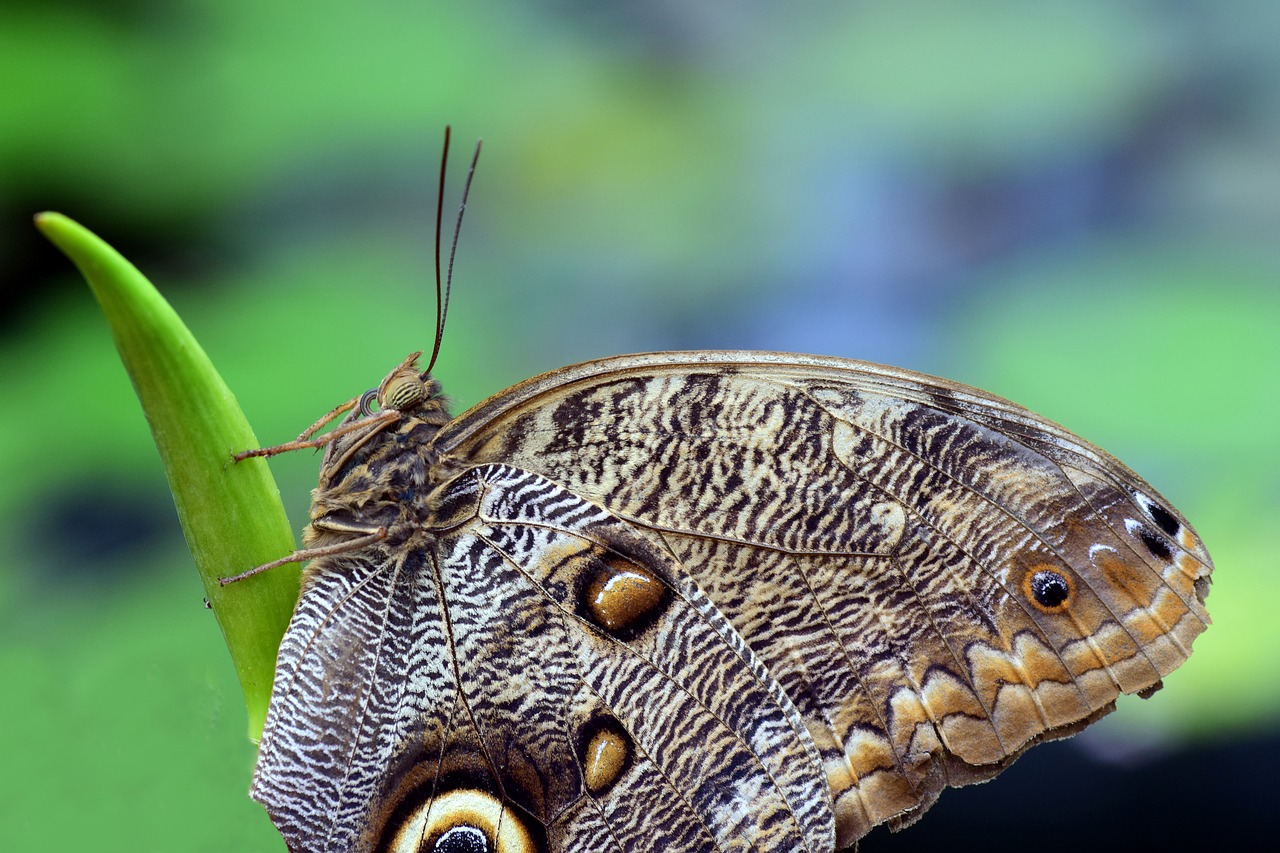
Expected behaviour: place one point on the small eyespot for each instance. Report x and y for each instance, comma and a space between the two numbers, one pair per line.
605, 751
1048, 588
1163, 518
1157, 546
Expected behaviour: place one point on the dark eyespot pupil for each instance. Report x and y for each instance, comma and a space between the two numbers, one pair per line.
1049, 588
1164, 519
462, 839
1157, 546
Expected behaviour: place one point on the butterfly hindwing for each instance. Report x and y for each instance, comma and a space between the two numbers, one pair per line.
362, 622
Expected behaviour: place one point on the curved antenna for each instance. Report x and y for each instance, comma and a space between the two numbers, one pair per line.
442, 301
440, 309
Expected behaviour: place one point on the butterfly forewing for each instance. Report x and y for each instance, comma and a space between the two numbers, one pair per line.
938, 577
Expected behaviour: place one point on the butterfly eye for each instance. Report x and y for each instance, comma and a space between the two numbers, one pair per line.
1049, 588
367, 401
403, 392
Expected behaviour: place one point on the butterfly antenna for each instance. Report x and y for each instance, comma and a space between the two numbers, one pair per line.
440, 308
442, 305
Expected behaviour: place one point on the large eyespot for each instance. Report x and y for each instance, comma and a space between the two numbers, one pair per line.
1048, 588
464, 820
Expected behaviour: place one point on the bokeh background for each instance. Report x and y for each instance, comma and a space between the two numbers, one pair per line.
1074, 205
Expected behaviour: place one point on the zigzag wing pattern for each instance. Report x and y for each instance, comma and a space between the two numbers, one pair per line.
538, 674
937, 577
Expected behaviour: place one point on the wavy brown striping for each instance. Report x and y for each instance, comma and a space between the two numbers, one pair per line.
706, 601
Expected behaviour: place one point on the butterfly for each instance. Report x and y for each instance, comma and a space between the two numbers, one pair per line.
709, 600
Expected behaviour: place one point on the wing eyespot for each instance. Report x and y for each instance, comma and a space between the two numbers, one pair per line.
620, 596
462, 839
464, 820
1155, 545
1163, 519
1050, 590
605, 751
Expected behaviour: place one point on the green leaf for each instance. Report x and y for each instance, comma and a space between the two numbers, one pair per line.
230, 512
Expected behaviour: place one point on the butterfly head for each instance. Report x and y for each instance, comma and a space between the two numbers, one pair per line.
404, 411
408, 391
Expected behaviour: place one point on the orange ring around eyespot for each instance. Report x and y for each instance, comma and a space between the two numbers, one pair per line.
1028, 587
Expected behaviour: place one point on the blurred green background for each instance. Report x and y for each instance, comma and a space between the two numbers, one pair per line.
1074, 205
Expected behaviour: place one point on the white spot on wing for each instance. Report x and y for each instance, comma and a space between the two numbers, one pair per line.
1094, 549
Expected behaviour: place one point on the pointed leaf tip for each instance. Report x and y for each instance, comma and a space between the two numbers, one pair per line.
231, 514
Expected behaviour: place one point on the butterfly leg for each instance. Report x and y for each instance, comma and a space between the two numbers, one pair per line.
368, 536
304, 441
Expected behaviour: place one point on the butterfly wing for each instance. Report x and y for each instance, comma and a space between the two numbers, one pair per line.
510, 670
937, 577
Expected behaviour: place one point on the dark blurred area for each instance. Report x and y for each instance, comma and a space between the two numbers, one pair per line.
1073, 205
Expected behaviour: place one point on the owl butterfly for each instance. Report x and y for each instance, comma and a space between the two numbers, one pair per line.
702, 601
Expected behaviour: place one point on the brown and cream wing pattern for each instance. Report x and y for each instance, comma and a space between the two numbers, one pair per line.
521, 671
936, 577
